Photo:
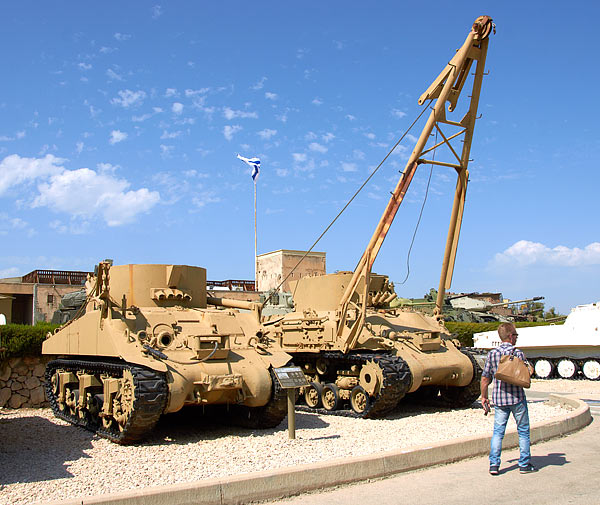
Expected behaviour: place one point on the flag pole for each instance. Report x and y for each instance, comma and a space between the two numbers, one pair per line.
255, 243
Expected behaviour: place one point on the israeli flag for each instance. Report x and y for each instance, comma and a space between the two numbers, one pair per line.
254, 163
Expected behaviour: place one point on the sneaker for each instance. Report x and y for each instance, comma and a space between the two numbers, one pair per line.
494, 470
527, 469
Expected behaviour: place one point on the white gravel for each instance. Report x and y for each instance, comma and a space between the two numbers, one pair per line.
43, 458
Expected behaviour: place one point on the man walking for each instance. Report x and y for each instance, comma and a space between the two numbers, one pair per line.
507, 399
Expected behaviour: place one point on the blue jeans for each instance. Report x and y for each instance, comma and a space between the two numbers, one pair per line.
501, 415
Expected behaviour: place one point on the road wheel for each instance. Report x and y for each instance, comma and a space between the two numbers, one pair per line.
330, 397
591, 369
543, 368
359, 400
312, 395
566, 369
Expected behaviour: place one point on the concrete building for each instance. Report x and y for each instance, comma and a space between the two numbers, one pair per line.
35, 296
273, 267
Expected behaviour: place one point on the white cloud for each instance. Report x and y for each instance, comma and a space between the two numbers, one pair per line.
169, 92
79, 147
349, 167
113, 76
314, 146
398, 113
299, 157
9, 272
358, 154
129, 98
139, 119
282, 172
194, 92
525, 252
317, 101
260, 84
15, 170
177, 108
84, 66
370, 136
165, 151
86, 194
107, 50
267, 133
270, 96
170, 135
328, 137
117, 136
350, 117
122, 36
230, 131
229, 114
156, 11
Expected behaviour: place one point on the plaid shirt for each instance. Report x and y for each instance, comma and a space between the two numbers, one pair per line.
503, 394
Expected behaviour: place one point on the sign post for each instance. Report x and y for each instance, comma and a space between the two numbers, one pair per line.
290, 378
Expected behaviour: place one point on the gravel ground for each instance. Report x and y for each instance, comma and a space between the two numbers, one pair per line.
43, 458
579, 387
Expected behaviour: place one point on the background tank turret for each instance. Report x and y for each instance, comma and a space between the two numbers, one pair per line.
147, 344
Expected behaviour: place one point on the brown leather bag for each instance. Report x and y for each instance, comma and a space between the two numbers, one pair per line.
513, 370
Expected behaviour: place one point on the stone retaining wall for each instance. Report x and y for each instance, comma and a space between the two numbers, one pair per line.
22, 382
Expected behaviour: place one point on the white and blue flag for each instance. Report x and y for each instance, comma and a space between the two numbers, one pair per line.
254, 163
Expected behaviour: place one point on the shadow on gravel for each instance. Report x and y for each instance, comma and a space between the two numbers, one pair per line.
195, 424
24, 459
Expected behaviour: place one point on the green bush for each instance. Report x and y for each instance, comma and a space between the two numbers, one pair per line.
464, 331
21, 339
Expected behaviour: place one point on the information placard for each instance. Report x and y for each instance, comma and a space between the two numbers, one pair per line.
290, 377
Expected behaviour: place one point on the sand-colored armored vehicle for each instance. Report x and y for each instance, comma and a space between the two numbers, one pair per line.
352, 347
146, 344
567, 351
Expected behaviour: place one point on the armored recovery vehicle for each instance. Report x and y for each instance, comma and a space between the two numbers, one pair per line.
147, 345
352, 347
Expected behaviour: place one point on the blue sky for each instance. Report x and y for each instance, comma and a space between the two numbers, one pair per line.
120, 123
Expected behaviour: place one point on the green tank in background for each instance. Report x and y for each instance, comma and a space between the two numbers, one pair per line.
69, 306
276, 303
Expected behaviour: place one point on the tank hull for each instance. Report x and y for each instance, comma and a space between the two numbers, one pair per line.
198, 356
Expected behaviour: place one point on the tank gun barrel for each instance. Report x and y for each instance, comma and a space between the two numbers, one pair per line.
506, 304
235, 304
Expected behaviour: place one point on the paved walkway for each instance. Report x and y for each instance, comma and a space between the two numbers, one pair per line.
568, 474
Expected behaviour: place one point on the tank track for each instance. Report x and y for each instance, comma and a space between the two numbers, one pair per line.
269, 415
150, 397
396, 380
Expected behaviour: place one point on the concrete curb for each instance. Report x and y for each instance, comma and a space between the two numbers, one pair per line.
275, 484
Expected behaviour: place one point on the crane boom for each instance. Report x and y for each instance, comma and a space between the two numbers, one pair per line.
446, 87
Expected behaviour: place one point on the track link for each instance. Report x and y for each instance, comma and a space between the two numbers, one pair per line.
150, 397
396, 379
